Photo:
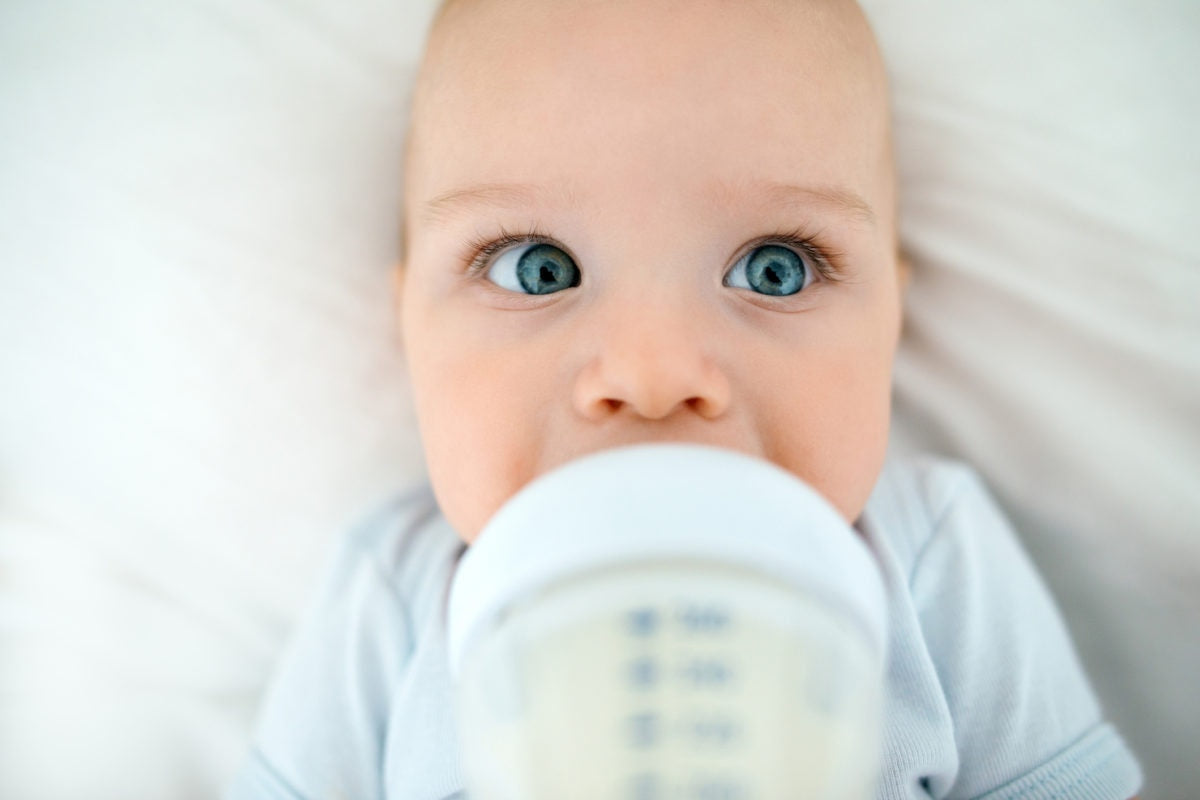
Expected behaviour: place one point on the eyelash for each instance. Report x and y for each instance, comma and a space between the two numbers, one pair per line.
481, 250
827, 261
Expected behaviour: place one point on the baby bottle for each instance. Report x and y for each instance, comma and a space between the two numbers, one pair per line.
668, 622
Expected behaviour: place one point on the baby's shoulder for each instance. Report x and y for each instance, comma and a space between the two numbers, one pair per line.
919, 497
407, 544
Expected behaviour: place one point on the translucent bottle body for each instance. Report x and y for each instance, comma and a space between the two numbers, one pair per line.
672, 681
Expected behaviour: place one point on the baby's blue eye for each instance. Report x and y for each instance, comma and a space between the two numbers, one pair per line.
770, 269
537, 268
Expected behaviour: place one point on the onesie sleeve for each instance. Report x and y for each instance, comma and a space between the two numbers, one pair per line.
321, 727
1026, 722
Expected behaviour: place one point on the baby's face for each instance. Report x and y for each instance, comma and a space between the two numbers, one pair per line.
649, 220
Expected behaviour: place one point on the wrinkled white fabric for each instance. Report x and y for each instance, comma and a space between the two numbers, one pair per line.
198, 386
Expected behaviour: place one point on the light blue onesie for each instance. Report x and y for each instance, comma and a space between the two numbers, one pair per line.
985, 695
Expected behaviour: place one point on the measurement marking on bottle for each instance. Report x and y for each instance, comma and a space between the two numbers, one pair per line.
643, 673
652, 786
642, 621
706, 671
717, 789
702, 618
643, 730
716, 729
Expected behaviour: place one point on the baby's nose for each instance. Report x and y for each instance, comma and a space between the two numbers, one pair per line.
652, 362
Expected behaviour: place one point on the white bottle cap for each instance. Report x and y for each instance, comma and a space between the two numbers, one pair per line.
656, 503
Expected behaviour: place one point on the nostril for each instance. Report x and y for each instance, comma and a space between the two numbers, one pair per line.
706, 407
613, 405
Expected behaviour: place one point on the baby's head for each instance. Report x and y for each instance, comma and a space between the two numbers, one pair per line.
649, 220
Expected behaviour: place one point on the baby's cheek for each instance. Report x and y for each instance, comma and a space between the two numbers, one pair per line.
836, 436
866, 428
477, 444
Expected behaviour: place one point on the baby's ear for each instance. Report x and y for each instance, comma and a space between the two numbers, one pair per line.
397, 284
904, 269
398, 303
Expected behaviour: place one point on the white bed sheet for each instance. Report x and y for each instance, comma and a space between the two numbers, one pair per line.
199, 387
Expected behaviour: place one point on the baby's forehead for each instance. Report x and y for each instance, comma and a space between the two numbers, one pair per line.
634, 29
531, 88
827, 45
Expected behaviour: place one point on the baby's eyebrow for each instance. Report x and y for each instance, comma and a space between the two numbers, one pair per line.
507, 195
496, 195
838, 199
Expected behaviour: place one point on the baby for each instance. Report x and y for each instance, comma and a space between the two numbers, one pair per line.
658, 220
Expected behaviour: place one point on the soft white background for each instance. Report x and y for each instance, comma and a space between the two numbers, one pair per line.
199, 385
